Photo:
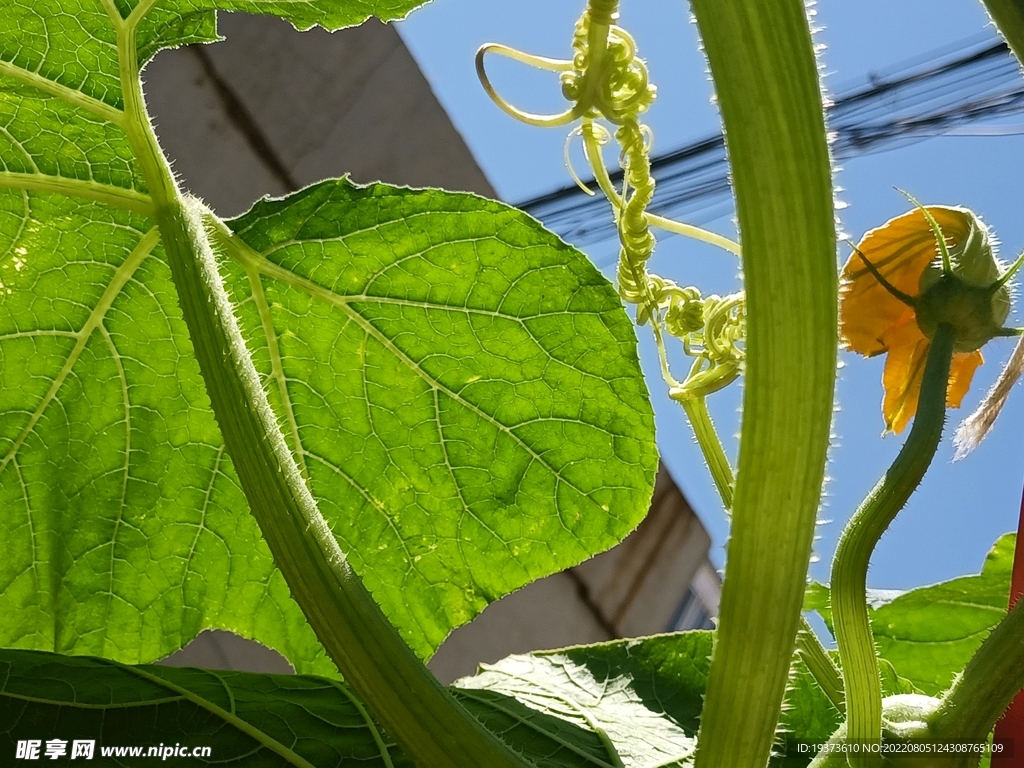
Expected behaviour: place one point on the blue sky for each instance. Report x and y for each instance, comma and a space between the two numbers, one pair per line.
962, 507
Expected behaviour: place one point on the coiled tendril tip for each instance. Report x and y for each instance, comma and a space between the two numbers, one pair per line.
605, 80
541, 62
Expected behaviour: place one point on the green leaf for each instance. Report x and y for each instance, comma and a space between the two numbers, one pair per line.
123, 521
245, 719
929, 634
123, 514
639, 699
460, 388
633, 702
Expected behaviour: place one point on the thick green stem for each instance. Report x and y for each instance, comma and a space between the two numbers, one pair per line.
711, 446
403, 695
991, 679
766, 78
853, 553
818, 662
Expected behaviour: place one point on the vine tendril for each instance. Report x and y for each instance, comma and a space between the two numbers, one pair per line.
606, 81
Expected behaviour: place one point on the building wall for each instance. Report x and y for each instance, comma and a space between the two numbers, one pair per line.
270, 110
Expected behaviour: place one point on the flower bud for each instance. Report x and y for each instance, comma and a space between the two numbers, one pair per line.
966, 299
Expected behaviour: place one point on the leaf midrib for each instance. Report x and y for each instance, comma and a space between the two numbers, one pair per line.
277, 365
258, 735
68, 95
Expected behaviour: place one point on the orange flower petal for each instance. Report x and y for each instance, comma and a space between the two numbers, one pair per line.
960, 374
900, 249
904, 368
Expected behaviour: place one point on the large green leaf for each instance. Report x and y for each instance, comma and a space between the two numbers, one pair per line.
499, 426
929, 634
460, 387
245, 719
508, 437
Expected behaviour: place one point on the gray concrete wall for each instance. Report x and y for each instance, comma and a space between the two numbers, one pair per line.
270, 110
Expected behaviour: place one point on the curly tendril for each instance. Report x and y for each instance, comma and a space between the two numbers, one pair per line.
605, 80
717, 347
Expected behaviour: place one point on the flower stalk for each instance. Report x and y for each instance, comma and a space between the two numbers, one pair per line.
861, 680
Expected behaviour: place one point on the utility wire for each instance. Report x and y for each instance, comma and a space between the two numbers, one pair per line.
981, 83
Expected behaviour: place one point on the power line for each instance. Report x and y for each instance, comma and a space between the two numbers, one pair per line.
982, 83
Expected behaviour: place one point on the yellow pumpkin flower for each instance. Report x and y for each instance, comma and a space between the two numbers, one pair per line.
899, 318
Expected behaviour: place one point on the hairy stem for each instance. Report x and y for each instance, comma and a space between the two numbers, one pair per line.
991, 679
711, 446
766, 77
853, 553
403, 695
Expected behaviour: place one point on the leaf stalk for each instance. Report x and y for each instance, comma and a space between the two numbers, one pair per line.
696, 409
406, 698
988, 684
762, 59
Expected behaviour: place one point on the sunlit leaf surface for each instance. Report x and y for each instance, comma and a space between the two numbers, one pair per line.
460, 387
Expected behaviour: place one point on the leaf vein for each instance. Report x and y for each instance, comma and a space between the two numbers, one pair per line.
276, 364
120, 277
458, 488
128, 199
68, 95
